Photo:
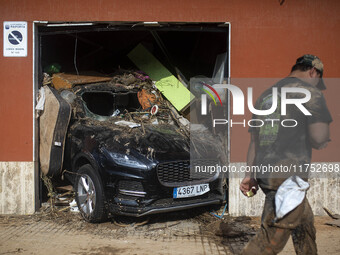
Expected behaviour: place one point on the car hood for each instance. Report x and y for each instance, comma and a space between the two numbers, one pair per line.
152, 141
162, 142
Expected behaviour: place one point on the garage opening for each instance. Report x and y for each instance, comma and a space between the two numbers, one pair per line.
188, 50
191, 49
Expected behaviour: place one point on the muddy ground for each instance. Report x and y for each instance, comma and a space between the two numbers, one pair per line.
188, 232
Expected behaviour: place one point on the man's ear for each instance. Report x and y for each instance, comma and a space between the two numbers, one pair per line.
311, 72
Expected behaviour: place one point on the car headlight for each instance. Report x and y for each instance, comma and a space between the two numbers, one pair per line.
127, 160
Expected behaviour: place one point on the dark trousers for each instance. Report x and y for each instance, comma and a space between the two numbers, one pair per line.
272, 237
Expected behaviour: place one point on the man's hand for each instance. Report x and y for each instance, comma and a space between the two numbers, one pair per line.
247, 184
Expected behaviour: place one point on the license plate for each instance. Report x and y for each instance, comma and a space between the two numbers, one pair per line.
191, 191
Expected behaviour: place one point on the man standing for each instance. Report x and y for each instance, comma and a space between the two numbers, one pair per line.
275, 145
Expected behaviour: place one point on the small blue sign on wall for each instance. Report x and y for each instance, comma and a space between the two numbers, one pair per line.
15, 39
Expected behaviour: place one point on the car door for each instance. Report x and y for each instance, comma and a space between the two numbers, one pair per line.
53, 125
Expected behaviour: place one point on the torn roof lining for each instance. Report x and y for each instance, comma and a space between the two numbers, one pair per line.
101, 87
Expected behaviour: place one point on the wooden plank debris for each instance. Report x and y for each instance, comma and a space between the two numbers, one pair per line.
67, 81
336, 218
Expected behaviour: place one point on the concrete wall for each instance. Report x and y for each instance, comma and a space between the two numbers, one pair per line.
323, 192
17, 188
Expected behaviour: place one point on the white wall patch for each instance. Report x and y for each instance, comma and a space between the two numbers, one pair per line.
15, 39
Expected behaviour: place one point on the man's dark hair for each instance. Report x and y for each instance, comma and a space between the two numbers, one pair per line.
303, 68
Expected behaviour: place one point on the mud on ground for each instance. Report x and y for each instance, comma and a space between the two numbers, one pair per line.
194, 231
220, 236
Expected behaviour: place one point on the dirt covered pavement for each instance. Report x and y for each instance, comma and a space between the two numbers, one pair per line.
186, 232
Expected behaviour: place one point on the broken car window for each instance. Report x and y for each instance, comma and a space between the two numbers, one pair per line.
100, 103
105, 104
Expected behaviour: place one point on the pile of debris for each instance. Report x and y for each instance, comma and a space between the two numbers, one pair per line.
151, 100
60, 199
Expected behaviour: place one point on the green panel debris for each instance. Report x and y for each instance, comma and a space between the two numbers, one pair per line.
179, 96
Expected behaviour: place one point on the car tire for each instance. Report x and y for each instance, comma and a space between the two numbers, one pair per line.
90, 196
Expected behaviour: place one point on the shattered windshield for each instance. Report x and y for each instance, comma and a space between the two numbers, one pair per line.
105, 103
102, 105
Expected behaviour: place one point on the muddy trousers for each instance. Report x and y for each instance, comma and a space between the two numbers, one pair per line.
272, 237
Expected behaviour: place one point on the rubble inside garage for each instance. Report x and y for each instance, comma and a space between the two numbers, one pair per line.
137, 82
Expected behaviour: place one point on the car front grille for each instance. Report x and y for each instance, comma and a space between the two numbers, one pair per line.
181, 173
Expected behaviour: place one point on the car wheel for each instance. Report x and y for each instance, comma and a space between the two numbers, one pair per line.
89, 195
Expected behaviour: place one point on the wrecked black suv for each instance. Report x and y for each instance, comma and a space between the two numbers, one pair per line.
123, 159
